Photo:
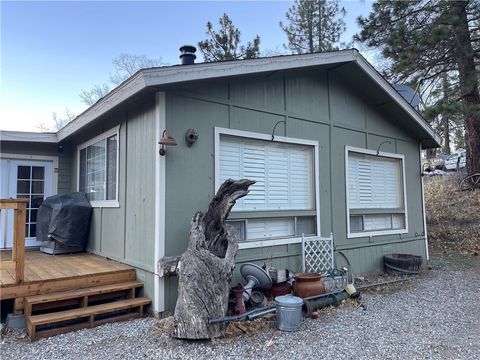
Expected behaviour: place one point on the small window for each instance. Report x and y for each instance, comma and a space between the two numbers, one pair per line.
274, 228
239, 226
375, 189
98, 168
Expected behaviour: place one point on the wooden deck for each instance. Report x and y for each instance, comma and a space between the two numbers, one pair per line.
46, 273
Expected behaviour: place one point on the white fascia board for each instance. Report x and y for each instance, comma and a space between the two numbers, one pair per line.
388, 88
24, 136
126, 90
180, 73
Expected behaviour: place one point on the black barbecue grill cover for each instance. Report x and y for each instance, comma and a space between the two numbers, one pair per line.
65, 218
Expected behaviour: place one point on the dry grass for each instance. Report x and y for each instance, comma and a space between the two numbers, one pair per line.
453, 216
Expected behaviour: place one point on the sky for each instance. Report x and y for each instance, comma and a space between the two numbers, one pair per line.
50, 51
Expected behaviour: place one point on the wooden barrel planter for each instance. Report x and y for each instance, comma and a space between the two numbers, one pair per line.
402, 264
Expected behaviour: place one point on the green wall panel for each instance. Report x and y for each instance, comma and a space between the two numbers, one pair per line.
373, 142
217, 89
140, 185
346, 107
307, 95
256, 121
113, 233
266, 93
369, 259
95, 237
189, 170
414, 190
380, 124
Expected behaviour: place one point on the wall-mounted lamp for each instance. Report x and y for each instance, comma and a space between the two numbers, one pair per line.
190, 137
166, 140
383, 142
273, 131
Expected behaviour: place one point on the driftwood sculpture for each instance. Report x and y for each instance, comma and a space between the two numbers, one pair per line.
206, 268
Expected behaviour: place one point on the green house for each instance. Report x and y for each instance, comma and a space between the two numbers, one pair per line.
333, 147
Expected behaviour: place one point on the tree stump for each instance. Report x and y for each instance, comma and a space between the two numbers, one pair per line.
205, 269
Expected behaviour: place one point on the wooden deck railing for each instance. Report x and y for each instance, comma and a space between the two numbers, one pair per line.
19, 207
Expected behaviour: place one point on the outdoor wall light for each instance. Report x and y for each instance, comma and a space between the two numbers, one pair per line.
166, 140
273, 131
383, 142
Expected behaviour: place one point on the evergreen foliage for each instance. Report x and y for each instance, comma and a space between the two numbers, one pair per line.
434, 45
314, 26
224, 44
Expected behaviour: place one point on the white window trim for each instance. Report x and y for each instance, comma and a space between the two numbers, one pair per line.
104, 135
381, 232
280, 139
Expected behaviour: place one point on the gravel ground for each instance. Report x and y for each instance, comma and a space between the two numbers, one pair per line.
436, 316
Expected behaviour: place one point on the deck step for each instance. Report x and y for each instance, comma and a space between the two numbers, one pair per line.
91, 310
80, 297
86, 316
90, 291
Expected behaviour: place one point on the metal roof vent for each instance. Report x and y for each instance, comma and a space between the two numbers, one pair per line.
187, 55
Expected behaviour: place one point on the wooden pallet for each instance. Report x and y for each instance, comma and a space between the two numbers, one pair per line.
60, 312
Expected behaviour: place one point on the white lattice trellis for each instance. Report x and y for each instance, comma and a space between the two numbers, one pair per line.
317, 254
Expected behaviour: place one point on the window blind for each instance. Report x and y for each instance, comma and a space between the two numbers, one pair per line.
283, 173
374, 182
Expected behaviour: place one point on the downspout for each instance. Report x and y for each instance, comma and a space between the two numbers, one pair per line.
423, 202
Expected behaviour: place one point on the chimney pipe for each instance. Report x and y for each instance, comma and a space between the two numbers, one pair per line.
187, 55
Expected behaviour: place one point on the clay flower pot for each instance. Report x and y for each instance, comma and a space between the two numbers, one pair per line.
308, 284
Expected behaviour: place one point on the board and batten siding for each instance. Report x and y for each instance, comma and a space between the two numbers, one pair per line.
127, 233
318, 105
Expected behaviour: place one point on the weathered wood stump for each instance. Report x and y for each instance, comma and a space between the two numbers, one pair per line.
205, 269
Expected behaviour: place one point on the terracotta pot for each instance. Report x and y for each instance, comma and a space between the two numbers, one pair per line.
308, 284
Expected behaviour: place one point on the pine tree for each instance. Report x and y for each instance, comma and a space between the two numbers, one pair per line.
224, 44
443, 111
314, 26
425, 39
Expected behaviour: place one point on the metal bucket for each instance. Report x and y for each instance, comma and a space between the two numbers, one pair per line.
289, 312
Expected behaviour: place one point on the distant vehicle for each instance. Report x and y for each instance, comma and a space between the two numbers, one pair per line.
436, 163
459, 158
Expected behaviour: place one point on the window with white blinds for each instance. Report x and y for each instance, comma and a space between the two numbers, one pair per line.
283, 173
376, 201
281, 205
374, 182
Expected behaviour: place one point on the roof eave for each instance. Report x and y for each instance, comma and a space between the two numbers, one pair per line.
397, 98
155, 77
26, 136
118, 95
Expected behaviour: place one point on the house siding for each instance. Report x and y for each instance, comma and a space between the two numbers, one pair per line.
126, 233
317, 106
